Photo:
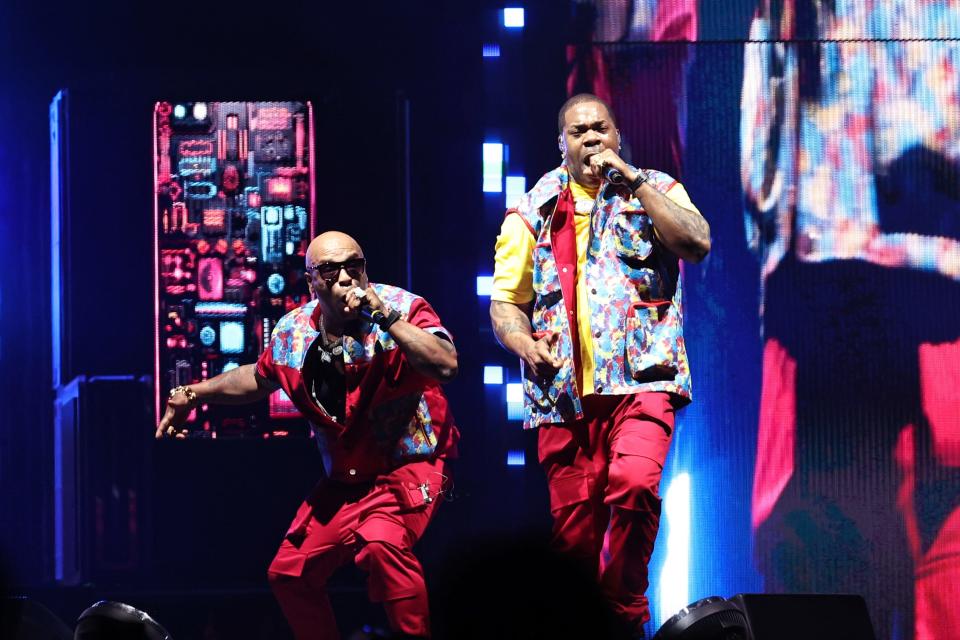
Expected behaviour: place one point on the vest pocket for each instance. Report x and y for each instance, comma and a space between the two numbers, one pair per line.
651, 350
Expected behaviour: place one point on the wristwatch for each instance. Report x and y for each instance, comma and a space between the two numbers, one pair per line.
642, 176
386, 321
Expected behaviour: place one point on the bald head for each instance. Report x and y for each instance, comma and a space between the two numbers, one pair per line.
335, 266
332, 246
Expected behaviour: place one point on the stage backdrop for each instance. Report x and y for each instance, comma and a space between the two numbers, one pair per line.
821, 140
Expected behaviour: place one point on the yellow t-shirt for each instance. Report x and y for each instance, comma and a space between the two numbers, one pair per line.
513, 267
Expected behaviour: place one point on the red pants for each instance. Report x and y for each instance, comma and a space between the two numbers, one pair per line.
373, 524
604, 474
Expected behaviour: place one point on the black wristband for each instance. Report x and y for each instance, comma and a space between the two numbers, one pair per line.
642, 176
389, 319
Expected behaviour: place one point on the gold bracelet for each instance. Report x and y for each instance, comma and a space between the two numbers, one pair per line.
187, 391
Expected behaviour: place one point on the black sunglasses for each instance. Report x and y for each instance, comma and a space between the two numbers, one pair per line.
331, 270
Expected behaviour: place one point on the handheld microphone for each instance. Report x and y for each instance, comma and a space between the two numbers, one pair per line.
613, 176
374, 316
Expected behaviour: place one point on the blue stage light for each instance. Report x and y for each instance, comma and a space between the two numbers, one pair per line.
514, 401
491, 51
516, 458
674, 584
492, 374
516, 187
492, 167
484, 285
513, 17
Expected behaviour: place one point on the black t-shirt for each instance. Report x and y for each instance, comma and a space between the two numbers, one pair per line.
325, 381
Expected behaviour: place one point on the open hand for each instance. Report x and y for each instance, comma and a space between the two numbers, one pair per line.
174, 417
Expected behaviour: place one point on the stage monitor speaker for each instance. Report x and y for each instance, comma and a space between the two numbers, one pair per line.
107, 620
805, 615
24, 619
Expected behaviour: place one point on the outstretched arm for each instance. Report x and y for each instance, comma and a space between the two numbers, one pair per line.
237, 386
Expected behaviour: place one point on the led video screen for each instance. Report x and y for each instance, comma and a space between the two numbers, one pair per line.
234, 213
822, 142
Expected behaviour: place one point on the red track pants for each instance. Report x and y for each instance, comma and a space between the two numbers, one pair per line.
604, 474
374, 525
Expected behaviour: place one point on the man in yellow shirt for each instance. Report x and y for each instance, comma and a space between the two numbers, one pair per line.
587, 293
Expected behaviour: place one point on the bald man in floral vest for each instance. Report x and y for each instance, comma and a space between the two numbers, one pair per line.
363, 362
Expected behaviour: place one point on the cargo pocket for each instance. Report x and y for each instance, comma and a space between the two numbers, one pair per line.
651, 345
567, 489
638, 455
413, 491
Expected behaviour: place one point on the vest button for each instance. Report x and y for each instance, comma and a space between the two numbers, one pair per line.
593, 291
596, 334
352, 472
599, 388
564, 269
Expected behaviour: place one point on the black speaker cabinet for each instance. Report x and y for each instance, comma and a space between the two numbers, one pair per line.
803, 616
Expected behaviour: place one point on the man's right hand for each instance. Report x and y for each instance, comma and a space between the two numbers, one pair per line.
176, 414
540, 356
511, 324
237, 386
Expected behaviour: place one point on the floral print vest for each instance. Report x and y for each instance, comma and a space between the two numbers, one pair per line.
634, 294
